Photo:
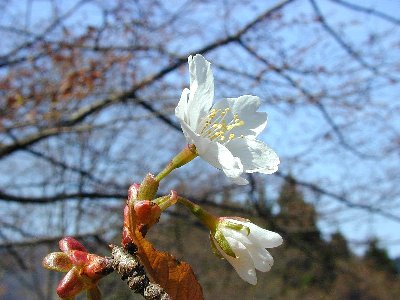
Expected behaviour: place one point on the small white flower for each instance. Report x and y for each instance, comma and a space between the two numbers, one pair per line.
243, 244
224, 133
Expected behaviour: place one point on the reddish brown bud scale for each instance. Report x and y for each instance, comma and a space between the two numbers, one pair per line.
126, 240
133, 192
96, 267
126, 215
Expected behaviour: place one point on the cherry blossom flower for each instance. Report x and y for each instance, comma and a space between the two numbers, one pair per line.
225, 133
243, 244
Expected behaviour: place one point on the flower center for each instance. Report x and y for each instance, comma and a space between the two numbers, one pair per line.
216, 128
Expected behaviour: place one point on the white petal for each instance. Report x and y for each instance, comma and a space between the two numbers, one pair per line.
190, 135
243, 263
201, 89
239, 235
214, 153
264, 238
246, 107
181, 108
254, 155
220, 157
259, 236
262, 260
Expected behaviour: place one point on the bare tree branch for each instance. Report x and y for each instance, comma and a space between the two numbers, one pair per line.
311, 98
367, 11
84, 112
342, 43
5, 59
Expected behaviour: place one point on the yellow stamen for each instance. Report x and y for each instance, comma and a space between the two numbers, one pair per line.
215, 126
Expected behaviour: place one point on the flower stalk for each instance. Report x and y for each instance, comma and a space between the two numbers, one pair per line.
208, 219
186, 155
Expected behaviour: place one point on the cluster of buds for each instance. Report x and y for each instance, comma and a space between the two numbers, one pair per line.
143, 211
84, 269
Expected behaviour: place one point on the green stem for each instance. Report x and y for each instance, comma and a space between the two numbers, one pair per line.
208, 219
182, 158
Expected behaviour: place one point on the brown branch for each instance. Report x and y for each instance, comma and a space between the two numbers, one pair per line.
23, 143
50, 240
129, 267
65, 166
59, 197
342, 199
5, 59
15, 254
343, 44
369, 11
98, 195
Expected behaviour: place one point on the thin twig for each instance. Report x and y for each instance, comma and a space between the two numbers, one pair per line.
369, 11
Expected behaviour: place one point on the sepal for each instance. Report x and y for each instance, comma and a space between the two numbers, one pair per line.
214, 248
223, 243
235, 226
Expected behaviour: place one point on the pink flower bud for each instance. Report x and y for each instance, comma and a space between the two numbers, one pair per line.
69, 243
83, 269
71, 285
147, 212
78, 258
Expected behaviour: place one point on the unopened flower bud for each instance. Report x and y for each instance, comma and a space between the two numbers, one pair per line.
243, 244
69, 243
78, 258
84, 269
72, 284
147, 212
